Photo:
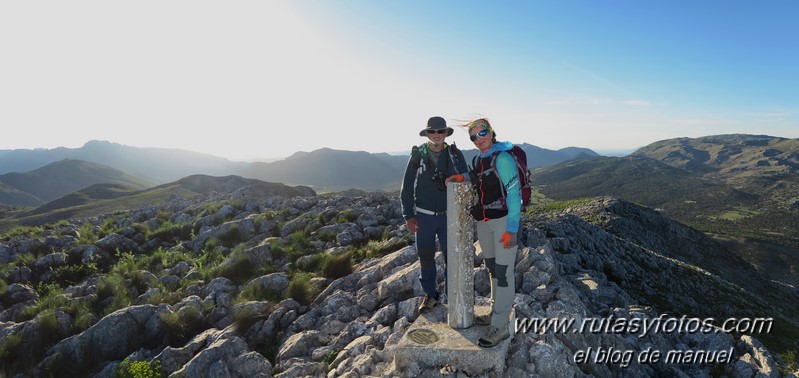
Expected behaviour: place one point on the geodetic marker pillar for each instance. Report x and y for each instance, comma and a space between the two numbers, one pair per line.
460, 256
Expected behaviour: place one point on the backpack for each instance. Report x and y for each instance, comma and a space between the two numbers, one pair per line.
419, 157
525, 183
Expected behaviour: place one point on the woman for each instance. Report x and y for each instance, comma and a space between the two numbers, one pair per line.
497, 211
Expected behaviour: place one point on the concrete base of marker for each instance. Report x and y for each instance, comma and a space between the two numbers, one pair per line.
431, 344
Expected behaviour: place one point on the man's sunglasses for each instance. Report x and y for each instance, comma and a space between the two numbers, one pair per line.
436, 131
479, 134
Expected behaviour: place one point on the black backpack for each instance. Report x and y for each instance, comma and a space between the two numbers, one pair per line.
525, 183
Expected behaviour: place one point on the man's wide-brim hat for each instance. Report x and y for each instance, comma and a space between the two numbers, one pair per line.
436, 123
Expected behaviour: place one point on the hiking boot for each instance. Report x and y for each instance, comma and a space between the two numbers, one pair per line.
427, 304
483, 320
493, 336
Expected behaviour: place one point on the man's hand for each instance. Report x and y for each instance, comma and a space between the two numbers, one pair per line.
412, 225
456, 178
508, 240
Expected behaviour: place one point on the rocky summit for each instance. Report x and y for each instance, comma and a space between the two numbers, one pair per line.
224, 285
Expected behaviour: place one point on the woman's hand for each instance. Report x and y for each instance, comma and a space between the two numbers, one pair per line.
456, 178
508, 240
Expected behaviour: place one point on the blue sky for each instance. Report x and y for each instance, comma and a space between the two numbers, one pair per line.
260, 79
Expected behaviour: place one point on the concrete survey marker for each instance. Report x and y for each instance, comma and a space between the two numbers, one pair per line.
423, 336
431, 343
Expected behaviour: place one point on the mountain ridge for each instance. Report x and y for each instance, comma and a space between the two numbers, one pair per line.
324, 169
64, 176
742, 189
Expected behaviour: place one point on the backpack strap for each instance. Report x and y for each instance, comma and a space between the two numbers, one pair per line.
416, 157
453, 156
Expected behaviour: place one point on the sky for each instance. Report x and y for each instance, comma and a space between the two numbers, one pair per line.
249, 80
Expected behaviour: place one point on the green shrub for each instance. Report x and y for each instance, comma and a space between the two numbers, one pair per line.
23, 231
139, 280
108, 227
23, 259
268, 348
114, 287
245, 317
168, 231
257, 293
313, 263
75, 274
8, 348
236, 268
184, 324
83, 321
139, 369
50, 297
329, 358
346, 216
337, 266
327, 236
211, 244
379, 248
301, 290
276, 250
209, 209
231, 236
126, 264
48, 329
106, 288
86, 234
300, 240
791, 360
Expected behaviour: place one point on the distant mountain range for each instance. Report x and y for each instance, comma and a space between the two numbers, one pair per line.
54, 180
155, 165
324, 169
742, 189
108, 198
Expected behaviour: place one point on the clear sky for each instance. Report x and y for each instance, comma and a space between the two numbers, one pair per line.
259, 79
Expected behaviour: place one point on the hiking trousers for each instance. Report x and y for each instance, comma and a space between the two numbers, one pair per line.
430, 226
500, 262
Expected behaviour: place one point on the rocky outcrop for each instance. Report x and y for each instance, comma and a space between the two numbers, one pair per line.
596, 262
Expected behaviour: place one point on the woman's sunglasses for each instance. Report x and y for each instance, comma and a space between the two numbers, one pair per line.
436, 131
479, 134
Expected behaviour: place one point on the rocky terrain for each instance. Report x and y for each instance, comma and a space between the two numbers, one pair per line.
223, 285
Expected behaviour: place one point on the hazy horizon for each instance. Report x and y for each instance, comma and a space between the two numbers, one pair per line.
262, 80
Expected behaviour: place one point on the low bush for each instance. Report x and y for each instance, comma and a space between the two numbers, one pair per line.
301, 289
139, 369
337, 266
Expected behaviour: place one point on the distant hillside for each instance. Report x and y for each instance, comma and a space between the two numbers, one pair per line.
158, 165
325, 169
541, 157
85, 196
727, 154
329, 169
641, 180
742, 189
105, 198
12, 196
759, 164
60, 178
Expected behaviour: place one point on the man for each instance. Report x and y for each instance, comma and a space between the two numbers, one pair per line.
424, 200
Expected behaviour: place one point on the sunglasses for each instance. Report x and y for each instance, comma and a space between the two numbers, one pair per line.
436, 131
479, 134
